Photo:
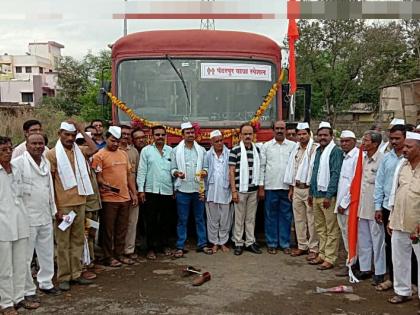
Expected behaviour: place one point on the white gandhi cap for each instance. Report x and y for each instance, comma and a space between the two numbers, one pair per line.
186, 125
347, 134
80, 136
302, 126
215, 133
115, 131
324, 124
413, 136
67, 127
397, 121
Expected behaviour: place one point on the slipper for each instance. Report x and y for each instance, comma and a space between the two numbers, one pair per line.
398, 299
214, 249
113, 263
167, 251
384, 286
225, 249
126, 260
287, 251
311, 256
201, 279
205, 250
88, 275
316, 261
298, 252
179, 253
272, 250
151, 255
325, 266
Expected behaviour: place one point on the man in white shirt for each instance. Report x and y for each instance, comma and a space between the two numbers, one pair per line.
351, 153
219, 214
297, 177
14, 234
33, 169
371, 233
277, 207
29, 127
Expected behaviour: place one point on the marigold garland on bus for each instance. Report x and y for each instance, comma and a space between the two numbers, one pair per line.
177, 131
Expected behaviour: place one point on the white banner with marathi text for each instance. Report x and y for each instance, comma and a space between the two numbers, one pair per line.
235, 71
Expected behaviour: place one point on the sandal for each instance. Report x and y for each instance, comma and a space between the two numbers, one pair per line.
298, 252
151, 255
88, 275
205, 250
398, 299
384, 286
287, 251
167, 251
214, 249
126, 260
179, 253
316, 261
311, 256
113, 263
272, 250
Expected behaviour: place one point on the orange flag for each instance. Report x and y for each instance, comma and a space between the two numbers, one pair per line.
293, 35
353, 209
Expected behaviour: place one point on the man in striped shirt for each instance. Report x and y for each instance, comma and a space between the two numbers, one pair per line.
244, 169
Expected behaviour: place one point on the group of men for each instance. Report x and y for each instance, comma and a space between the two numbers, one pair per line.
91, 176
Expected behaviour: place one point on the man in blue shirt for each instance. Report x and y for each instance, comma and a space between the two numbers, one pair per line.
383, 185
155, 188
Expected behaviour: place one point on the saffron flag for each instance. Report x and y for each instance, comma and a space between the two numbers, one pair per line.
293, 35
352, 222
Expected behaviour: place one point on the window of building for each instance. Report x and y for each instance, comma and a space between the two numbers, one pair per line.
28, 69
41, 70
27, 97
18, 69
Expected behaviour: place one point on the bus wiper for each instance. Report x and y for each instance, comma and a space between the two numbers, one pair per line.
179, 74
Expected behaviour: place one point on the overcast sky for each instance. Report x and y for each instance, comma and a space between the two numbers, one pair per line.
87, 25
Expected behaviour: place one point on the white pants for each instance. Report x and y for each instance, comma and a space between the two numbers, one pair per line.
401, 259
130, 237
12, 271
342, 220
371, 237
41, 239
219, 221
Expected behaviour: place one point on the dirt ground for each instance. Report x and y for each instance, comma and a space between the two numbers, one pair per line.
248, 284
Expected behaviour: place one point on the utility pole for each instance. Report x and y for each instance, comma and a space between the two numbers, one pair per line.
125, 19
207, 24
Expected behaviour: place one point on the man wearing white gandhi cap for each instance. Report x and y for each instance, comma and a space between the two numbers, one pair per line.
118, 192
71, 186
298, 169
351, 153
218, 194
405, 217
187, 160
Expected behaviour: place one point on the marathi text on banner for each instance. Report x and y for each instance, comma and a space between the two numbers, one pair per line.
235, 71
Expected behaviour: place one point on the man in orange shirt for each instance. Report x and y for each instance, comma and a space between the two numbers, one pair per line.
118, 192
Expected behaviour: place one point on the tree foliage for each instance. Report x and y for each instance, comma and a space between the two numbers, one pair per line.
346, 61
80, 82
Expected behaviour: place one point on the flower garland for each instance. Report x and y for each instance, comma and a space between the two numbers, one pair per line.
255, 120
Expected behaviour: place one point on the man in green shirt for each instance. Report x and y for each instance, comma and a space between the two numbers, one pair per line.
322, 196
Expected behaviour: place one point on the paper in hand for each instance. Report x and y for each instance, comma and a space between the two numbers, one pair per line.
67, 221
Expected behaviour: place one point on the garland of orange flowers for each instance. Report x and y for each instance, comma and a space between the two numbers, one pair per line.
177, 131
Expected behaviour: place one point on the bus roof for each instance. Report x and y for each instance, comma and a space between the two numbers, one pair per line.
208, 43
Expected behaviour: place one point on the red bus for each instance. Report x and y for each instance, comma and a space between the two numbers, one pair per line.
215, 78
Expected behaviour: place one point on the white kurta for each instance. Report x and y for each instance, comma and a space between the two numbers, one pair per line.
346, 177
14, 233
39, 203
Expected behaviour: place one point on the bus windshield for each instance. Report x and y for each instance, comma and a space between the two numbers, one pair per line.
220, 92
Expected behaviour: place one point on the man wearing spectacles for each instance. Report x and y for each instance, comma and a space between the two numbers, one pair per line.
155, 188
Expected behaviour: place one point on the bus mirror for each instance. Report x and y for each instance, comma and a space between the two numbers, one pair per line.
102, 98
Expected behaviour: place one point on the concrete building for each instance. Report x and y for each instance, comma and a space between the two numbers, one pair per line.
25, 79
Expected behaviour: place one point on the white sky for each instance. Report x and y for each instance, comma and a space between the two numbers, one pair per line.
87, 25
